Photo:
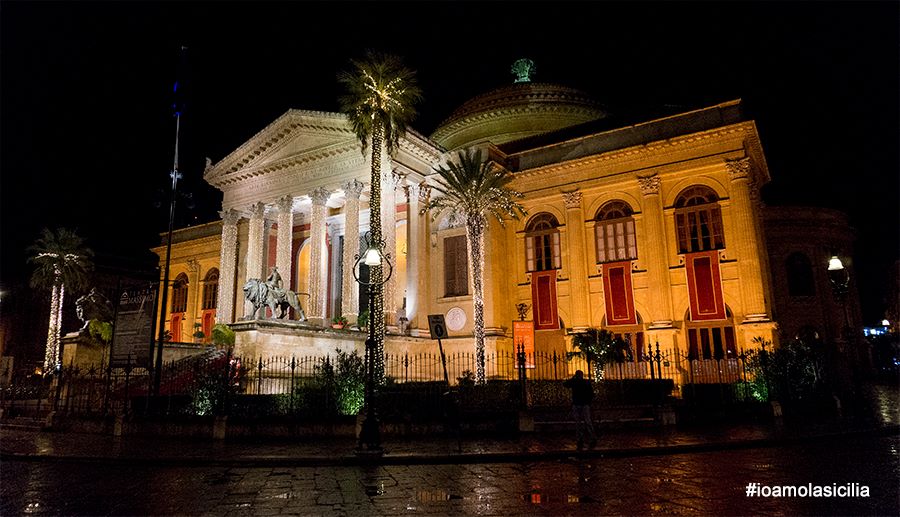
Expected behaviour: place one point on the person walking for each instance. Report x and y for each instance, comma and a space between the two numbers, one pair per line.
582, 396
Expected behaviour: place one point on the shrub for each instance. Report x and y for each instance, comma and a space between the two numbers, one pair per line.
222, 335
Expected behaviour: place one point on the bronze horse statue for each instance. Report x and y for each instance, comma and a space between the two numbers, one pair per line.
264, 294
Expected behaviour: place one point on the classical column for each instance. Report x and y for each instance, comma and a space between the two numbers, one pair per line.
422, 257
255, 248
746, 239
389, 233
659, 298
349, 286
318, 286
577, 272
414, 252
227, 267
285, 237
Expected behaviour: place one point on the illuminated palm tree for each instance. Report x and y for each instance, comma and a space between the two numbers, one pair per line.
476, 189
62, 261
379, 104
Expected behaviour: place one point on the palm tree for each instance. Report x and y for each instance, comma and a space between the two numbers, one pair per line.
598, 347
62, 261
476, 189
379, 104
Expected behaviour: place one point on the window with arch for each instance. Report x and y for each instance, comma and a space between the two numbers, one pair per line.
542, 243
180, 293
698, 220
614, 232
800, 275
210, 289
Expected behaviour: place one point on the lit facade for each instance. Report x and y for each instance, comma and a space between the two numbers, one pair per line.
652, 230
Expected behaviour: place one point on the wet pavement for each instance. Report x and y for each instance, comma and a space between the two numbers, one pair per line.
691, 482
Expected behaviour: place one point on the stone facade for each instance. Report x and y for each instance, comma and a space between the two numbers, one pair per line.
653, 231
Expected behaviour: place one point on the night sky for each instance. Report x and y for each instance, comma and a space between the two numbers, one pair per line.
87, 132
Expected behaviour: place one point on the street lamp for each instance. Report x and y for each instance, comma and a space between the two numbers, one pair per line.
840, 281
370, 433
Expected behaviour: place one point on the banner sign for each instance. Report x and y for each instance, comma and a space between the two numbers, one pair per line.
543, 300
132, 342
523, 334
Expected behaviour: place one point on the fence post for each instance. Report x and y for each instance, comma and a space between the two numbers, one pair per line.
658, 362
293, 368
650, 358
520, 356
127, 385
406, 367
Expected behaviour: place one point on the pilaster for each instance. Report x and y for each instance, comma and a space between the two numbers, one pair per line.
746, 240
578, 274
654, 248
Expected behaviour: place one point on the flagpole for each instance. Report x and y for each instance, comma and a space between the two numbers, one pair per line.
175, 175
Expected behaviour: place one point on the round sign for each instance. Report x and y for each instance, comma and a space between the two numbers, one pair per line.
456, 319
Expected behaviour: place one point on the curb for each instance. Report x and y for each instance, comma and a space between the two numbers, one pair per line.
440, 459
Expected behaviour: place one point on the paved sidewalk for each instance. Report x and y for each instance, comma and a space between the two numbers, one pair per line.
32, 445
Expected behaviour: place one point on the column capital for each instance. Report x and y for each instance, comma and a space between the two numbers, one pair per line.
649, 185
285, 204
572, 199
230, 217
320, 196
193, 266
257, 210
353, 188
422, 190
738, 168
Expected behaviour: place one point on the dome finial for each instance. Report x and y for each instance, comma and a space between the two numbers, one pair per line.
523, 69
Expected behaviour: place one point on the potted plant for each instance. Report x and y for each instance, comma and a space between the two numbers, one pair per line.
198, 333
363, 320
338, 322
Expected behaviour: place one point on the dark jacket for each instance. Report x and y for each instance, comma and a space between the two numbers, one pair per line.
582, 391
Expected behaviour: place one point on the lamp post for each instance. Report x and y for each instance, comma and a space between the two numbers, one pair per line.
840, 282
370, 433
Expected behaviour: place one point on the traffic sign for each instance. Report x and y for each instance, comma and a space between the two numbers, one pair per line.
437, 326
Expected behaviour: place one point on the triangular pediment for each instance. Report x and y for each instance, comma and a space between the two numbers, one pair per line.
296, 136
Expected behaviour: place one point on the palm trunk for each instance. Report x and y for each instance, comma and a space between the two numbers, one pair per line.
376, 273
62, 293
50, 352
475, 233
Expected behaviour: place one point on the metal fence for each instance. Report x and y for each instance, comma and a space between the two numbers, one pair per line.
103, 390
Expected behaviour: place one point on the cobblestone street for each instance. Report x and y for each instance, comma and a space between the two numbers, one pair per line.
707, 483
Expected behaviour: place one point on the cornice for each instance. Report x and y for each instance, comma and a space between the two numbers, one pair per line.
658, 148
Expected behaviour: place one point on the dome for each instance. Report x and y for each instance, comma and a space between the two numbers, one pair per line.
516, 111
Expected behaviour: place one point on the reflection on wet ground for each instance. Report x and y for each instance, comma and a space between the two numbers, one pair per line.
707, 483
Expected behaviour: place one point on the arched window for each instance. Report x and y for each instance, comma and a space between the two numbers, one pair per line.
614, 233
180, 293
800, 275
211, 289
542, 243
698, 220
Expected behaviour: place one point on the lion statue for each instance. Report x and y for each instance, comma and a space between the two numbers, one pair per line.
94, 306
264, 294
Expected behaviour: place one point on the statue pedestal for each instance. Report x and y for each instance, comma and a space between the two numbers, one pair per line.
82, 351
